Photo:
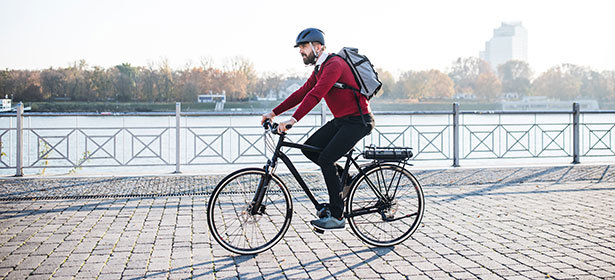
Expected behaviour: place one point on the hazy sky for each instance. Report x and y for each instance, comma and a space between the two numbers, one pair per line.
396, 35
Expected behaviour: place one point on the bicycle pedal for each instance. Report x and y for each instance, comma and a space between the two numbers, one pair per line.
317, 230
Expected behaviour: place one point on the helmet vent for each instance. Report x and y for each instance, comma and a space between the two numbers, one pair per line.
310, 35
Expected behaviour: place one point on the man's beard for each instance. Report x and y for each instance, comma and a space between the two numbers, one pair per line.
309, 59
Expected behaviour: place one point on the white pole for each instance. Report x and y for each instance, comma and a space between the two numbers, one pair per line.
576, 139
19, 165
178, 109
455, 134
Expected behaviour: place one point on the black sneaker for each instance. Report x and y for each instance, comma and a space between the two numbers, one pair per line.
328, 222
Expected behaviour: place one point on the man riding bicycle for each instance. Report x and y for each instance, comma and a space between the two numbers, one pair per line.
337, 136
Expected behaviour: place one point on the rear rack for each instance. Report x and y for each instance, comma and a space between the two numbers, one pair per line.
387, 153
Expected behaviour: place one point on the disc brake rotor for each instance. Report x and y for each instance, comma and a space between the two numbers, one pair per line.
246, 218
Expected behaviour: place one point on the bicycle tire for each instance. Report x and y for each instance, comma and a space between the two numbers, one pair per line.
230, 222
379, 228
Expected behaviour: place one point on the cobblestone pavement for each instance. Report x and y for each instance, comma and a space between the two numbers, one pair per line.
543, 222
139, 186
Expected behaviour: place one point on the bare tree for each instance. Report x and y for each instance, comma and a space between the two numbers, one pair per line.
515, 76
465, 71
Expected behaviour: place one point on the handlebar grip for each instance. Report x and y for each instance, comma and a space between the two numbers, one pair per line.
267, 124
273, 127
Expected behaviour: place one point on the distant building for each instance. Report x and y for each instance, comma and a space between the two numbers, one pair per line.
509, 42
290, 85
542, 103
219, 99
511, 95
6, 105
211, 98
288, 90
461, 95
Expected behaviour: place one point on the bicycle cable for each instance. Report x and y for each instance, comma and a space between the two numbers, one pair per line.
269, 143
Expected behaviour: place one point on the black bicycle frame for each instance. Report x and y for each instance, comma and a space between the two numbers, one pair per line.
278, 154
293, 169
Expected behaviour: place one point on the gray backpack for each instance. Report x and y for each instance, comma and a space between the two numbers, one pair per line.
364, 74
363, 70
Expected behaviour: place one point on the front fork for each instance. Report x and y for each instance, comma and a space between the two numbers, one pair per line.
256, 205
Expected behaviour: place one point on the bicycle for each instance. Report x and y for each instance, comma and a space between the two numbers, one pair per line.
250, 210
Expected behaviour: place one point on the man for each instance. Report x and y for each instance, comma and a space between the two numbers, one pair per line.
337, 136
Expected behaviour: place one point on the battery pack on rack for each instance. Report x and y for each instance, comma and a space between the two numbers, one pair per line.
387, 153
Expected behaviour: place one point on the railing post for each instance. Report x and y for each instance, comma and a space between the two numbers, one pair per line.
19, 164
455, 134
178, 109
323, 113
576, 129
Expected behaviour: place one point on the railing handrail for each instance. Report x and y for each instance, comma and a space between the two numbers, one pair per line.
451, 131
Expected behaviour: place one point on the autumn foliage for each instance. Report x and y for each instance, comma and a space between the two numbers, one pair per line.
238, 79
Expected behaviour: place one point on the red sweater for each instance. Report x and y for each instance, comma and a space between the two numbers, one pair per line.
341, 102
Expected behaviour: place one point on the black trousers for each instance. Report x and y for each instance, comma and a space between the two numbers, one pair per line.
336, 138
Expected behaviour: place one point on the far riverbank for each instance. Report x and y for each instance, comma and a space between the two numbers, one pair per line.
258, 106
248, 106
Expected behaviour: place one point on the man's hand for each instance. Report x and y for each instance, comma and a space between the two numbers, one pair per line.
282, 126
268, 116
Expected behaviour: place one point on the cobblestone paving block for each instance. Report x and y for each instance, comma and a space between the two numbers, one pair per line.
38, 187
513, 223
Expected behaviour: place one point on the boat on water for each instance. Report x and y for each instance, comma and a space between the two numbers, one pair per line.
6, 106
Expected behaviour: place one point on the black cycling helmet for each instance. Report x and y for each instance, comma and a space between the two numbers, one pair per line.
310, 35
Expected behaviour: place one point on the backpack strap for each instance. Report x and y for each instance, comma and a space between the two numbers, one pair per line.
344, 86
356, 98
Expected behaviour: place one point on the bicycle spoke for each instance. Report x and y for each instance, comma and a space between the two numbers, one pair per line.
396, 185
230, 218
397, 215
375, 189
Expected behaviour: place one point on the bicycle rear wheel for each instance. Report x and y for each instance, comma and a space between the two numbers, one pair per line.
385, 206
231, 222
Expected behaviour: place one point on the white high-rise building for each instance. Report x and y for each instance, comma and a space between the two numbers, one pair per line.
509, 42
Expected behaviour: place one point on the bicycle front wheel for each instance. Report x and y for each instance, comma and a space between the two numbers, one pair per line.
230, 218
385, 206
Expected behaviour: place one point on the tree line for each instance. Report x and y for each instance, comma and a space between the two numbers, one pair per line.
473, 77
468, 77
124, 82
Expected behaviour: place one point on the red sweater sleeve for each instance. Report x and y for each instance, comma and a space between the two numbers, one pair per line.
327, 78
312, 91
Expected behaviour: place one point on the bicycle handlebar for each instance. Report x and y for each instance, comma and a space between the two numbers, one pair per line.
273, 127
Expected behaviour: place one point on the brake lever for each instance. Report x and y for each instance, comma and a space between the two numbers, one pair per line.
273, 127
267, 124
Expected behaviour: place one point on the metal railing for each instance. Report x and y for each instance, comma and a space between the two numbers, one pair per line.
445, 136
